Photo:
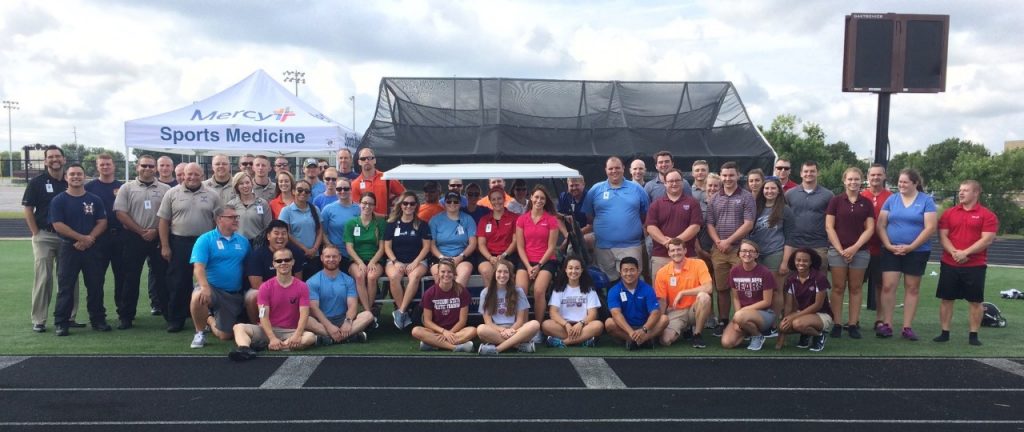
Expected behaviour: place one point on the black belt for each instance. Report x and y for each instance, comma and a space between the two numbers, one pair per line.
48, 229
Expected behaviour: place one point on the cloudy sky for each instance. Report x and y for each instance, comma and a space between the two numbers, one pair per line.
94, 65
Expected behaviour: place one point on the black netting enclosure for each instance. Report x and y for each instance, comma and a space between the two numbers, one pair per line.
575, 123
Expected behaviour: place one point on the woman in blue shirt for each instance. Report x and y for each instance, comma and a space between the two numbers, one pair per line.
334, 217
905, 225
454, 235
304, 227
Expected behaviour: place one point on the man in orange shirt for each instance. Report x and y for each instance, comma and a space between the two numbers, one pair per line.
683, 287
877, 193
370, 181
491, 184
431, 201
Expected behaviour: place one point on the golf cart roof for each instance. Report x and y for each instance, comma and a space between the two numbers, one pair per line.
477, 171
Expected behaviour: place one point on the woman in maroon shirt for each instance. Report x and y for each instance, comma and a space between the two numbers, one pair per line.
849, 223
807, 307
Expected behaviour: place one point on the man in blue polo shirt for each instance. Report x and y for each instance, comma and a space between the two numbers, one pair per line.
217, 260
636, 315
617, 208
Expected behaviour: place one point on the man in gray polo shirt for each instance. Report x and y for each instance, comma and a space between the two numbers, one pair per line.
262, 186
809, 201
136, 208
186, 212
220, 181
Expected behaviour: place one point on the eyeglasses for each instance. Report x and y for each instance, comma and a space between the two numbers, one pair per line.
782, 168
408, 203
327, 179
747, 252
366, 158
367, 203
235, 217
246, 164
150, 166
452, 201
342, 189
281, 165
282, 260
302, 191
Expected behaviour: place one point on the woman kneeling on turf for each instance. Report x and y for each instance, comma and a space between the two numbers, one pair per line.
573, 308
752, 287
807, 307
445, 312
505, 310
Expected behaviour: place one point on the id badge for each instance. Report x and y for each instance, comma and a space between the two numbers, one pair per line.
357, 231
259, 209
460, 231
398, 231
487, 228
362, 185
49, 188
622, 296
220, 245
606, 195
147, 204
672, 281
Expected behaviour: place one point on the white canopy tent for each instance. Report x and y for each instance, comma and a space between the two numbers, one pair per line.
256, 115
479, 171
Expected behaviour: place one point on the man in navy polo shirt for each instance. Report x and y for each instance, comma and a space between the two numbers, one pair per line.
80, 218
217, 260
111, 244
636, 315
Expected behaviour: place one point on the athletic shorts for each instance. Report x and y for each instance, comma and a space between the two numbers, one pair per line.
911, 264
551, 266
826, 321
966, 283
771, 261
680, 320
860, 260
225, 308
767, 319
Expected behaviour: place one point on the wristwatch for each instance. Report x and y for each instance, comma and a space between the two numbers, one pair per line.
644, 329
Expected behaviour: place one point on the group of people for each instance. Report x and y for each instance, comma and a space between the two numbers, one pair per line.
276, 262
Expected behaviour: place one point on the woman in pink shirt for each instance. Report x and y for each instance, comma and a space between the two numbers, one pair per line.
536, 239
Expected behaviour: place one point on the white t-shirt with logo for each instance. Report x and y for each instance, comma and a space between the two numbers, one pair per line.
573, 304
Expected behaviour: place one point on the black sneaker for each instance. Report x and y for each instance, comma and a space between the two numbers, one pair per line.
124, 324
648, 345
101, 326
687, 334
942, 337
772, 332
76, 324
323, 341
259, 346
974, 341
175, 328
155, 311
819, 342
39, 328
698, 342
358, 337
837, 331
242, 354
62, 331
631, 346
719, 329
805, 341
853, 330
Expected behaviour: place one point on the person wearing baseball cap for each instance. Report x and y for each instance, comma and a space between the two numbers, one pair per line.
311, 168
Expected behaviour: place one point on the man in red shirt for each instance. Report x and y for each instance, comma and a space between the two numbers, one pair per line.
966, 231
370, 181
877, 193
783, 168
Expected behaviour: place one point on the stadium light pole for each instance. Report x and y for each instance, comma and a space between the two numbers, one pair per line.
10, 106
353, 99
297, 77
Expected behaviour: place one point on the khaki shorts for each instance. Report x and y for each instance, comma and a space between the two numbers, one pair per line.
260, 338
680, 320
826, 321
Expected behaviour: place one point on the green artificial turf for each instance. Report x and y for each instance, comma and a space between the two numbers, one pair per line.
149, 337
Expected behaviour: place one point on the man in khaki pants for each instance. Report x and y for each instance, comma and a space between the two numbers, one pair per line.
45, 242
730, 218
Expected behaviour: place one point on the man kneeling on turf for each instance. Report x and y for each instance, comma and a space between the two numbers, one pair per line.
636, 317
683, 287
217, 259
333, 303
283, 311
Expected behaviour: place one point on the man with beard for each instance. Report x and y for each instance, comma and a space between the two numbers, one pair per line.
371, 180
186, 212
333, 303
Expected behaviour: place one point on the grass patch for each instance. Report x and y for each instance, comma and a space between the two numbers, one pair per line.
149, 337
12, 215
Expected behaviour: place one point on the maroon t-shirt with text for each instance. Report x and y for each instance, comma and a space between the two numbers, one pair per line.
751, 285
445, 306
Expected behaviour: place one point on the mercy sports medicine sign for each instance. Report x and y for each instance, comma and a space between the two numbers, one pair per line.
236, 134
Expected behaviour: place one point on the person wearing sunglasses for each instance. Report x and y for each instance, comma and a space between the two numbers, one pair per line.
281, 165
520, 203
218, 257
364, 239
284, 311
336, 215
136, 207
454, 235
469, 203
259, 265
783, 169
432, 204
407, 245
371, 180
331, 192
245, 164
304, 226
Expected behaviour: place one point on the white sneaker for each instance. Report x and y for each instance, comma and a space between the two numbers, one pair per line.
427, 347
488, 349
527, 347
756, 342
199, 340
466, 347
538, 338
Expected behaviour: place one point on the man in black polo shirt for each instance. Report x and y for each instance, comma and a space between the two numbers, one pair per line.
80, 219
45, 242
110, 244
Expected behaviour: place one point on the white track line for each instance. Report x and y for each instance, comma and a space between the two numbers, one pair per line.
293, 373
596, 373
1004, 365
10, 361
511, 420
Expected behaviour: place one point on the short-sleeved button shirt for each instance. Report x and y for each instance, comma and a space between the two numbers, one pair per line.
141, 202
728, 212
380, 189
965, 228
535, 235
850, 218
223, 257
617, 212
499, 232
253, 218
805, 292
333, 220
226, 192
809, 210
301, 223
672, 218
189, 211
38, 194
